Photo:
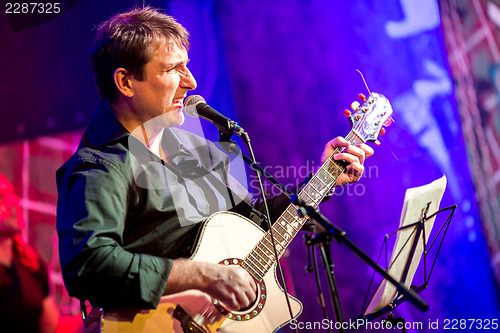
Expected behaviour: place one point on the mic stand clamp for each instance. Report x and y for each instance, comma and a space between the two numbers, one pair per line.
231, 127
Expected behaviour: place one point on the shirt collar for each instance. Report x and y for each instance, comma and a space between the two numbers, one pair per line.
104, 128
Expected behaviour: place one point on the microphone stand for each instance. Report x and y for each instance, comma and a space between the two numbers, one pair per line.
341, 237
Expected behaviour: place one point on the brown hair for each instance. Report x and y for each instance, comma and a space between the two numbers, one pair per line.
127, 40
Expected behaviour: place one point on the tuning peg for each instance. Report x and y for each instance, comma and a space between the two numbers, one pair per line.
376, 142
382, 131
347, 113
388, 122
355, 105
362, 97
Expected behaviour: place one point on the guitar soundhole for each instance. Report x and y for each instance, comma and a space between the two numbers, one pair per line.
253, 310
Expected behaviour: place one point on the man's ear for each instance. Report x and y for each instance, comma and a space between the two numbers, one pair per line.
123, 82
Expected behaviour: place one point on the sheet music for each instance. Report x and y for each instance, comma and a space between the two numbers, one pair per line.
415, 203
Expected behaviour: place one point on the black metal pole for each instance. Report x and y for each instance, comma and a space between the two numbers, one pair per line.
324, 247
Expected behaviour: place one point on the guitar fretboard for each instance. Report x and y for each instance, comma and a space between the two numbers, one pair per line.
262, 257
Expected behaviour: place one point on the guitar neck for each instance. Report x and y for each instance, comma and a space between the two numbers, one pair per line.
262, 257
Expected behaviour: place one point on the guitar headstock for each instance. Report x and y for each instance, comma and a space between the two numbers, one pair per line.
367, 119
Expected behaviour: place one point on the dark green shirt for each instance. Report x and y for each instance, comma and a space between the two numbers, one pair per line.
123, 214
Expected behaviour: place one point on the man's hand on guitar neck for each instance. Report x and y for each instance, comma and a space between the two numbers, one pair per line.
231, 285
355, 155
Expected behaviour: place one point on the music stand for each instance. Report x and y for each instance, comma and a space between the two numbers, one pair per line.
333, 232
411, 243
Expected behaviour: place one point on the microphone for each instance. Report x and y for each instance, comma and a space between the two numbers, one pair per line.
195, 106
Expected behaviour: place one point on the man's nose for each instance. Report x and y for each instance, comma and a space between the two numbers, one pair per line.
188, 81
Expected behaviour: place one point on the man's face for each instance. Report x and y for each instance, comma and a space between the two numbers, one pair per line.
164, 86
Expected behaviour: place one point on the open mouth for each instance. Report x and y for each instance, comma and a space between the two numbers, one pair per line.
178, 102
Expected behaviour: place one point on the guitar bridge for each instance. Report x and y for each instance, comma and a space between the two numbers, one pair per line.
187, 323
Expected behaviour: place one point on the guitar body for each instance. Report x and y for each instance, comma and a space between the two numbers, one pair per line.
225, 238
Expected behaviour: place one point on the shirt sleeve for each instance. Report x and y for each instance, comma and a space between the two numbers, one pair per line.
92, 208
